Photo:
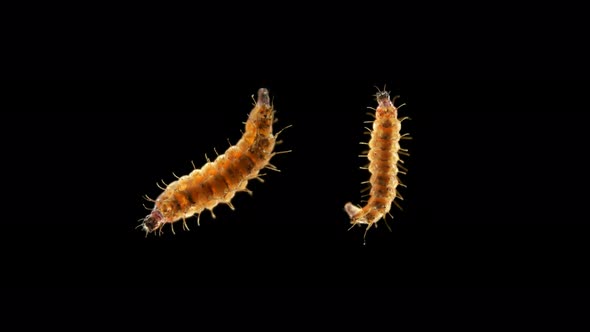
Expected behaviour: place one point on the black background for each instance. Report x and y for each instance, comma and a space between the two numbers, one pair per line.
496, 191
495, 197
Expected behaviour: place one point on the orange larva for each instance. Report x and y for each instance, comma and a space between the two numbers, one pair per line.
218, 181
384, 165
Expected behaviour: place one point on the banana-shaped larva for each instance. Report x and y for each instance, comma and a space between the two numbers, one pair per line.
384, 165
218, 181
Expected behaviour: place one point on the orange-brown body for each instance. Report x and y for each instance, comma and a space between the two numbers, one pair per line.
218, 181
383, 164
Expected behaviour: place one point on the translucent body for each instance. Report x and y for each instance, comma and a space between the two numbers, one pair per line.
218, 181
383, 158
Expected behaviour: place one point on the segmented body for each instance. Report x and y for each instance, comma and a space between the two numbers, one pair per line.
218, 181
383, 164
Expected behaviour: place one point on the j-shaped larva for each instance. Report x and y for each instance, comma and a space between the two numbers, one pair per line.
384, 165
218, 181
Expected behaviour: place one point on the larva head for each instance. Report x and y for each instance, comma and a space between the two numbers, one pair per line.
153, 221
386, 108
384, 99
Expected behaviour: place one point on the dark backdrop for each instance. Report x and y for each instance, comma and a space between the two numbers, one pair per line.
496, 185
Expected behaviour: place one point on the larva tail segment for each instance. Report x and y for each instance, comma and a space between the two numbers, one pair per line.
351, 209
384, 164
219, 180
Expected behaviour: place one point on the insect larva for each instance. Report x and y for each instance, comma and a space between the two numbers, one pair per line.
383, 154
218, 181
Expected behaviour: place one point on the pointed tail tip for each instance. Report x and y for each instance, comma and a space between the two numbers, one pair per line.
351, 210
263, 97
